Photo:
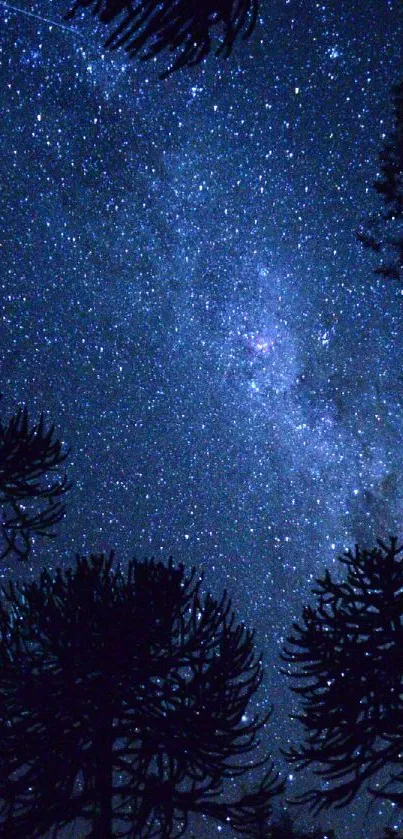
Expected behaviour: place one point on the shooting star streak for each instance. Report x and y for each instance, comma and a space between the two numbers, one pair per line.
38, 17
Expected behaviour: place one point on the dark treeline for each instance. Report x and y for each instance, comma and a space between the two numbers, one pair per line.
124, 694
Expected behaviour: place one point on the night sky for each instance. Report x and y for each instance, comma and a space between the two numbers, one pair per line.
183, 294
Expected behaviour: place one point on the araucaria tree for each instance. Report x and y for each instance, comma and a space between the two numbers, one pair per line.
347, 661
30, 483
122, 702
383, 233
146, 27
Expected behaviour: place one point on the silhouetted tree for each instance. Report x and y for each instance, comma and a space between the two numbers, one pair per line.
284, 828
29, 497
122, 702
347, 660
147, 27
383, 233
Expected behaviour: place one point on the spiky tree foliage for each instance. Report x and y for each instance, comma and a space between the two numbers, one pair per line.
29, 491
346, 659
284, 828
146, 27
383, 233
122, 703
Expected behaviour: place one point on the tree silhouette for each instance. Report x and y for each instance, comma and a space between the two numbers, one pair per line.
29, 497
123, 699
383, 233
147, 27
284, 828
347, 660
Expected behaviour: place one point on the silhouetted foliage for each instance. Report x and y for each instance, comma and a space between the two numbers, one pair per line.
284, 828
383, 233
123, 698
29, 497
147, 27
347, 660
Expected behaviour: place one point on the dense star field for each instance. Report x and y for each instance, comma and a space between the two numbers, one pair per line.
184, 295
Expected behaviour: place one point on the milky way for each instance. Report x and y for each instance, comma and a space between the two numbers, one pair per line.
184, 295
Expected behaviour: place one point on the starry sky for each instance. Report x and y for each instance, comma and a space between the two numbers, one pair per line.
183, 294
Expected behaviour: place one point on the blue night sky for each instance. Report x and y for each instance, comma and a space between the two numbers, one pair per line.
183, 294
